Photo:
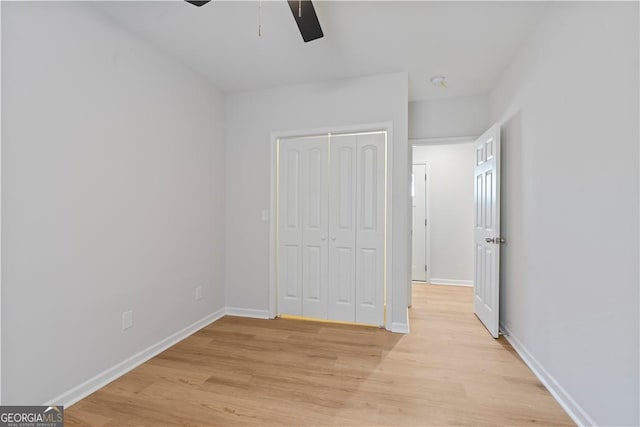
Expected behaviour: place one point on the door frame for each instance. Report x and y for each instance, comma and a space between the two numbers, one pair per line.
273, 239
420, 142
427, 215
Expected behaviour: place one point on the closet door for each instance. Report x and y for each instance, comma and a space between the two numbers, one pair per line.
302, 227
370, 231
315, 219
342, 228
331, 227
289, 276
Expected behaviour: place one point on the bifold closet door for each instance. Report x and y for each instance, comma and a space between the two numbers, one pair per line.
342, 228
331, 227
370, 228
356, 228
302, 227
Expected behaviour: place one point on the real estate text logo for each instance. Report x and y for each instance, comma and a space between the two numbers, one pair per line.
31, 416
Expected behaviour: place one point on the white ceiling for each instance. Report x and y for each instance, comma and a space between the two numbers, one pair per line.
469, 42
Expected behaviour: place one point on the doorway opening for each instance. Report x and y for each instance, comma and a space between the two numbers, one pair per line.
462, 231
442, 190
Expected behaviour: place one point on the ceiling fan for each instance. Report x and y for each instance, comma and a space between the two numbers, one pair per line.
303, 12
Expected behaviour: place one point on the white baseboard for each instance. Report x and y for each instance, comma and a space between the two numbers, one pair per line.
247, 312
83, 390
399, 328
455, 282
575, 411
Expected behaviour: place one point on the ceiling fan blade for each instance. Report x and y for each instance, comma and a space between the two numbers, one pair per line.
198, 2
305, 15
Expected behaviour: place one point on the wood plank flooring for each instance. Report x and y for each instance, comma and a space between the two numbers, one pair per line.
238, 371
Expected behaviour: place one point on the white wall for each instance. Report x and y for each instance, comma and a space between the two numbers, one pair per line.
451, 210
251, 117
112, 197
449, 117
568, 105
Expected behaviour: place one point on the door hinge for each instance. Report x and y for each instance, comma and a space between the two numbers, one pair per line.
425, 267
425, 222
425, 176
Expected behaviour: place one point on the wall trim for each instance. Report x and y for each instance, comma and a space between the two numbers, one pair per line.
100, 380
451, 282
442, 140
571, 407
399, 328
247, 312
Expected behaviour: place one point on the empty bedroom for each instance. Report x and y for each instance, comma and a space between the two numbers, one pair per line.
273, 212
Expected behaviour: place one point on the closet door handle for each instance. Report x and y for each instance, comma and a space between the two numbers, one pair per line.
323, 238
333, 237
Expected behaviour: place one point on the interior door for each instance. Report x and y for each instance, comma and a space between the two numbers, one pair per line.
302, 227
342, 228
487, 229
289, 278
331, 227
370, 230
419, 235
315, 218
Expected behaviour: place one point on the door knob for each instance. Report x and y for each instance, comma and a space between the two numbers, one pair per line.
323, 238
496, 240
333, 237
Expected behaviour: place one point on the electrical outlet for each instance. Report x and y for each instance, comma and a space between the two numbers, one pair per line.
127, 320
198, 293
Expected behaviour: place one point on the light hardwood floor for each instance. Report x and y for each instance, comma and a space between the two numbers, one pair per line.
238, 371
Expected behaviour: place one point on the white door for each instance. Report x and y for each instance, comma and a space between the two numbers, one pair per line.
331, 227
302, 225
370, 225
419, 230
487, 229
315, 220
289, 228
342, 228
